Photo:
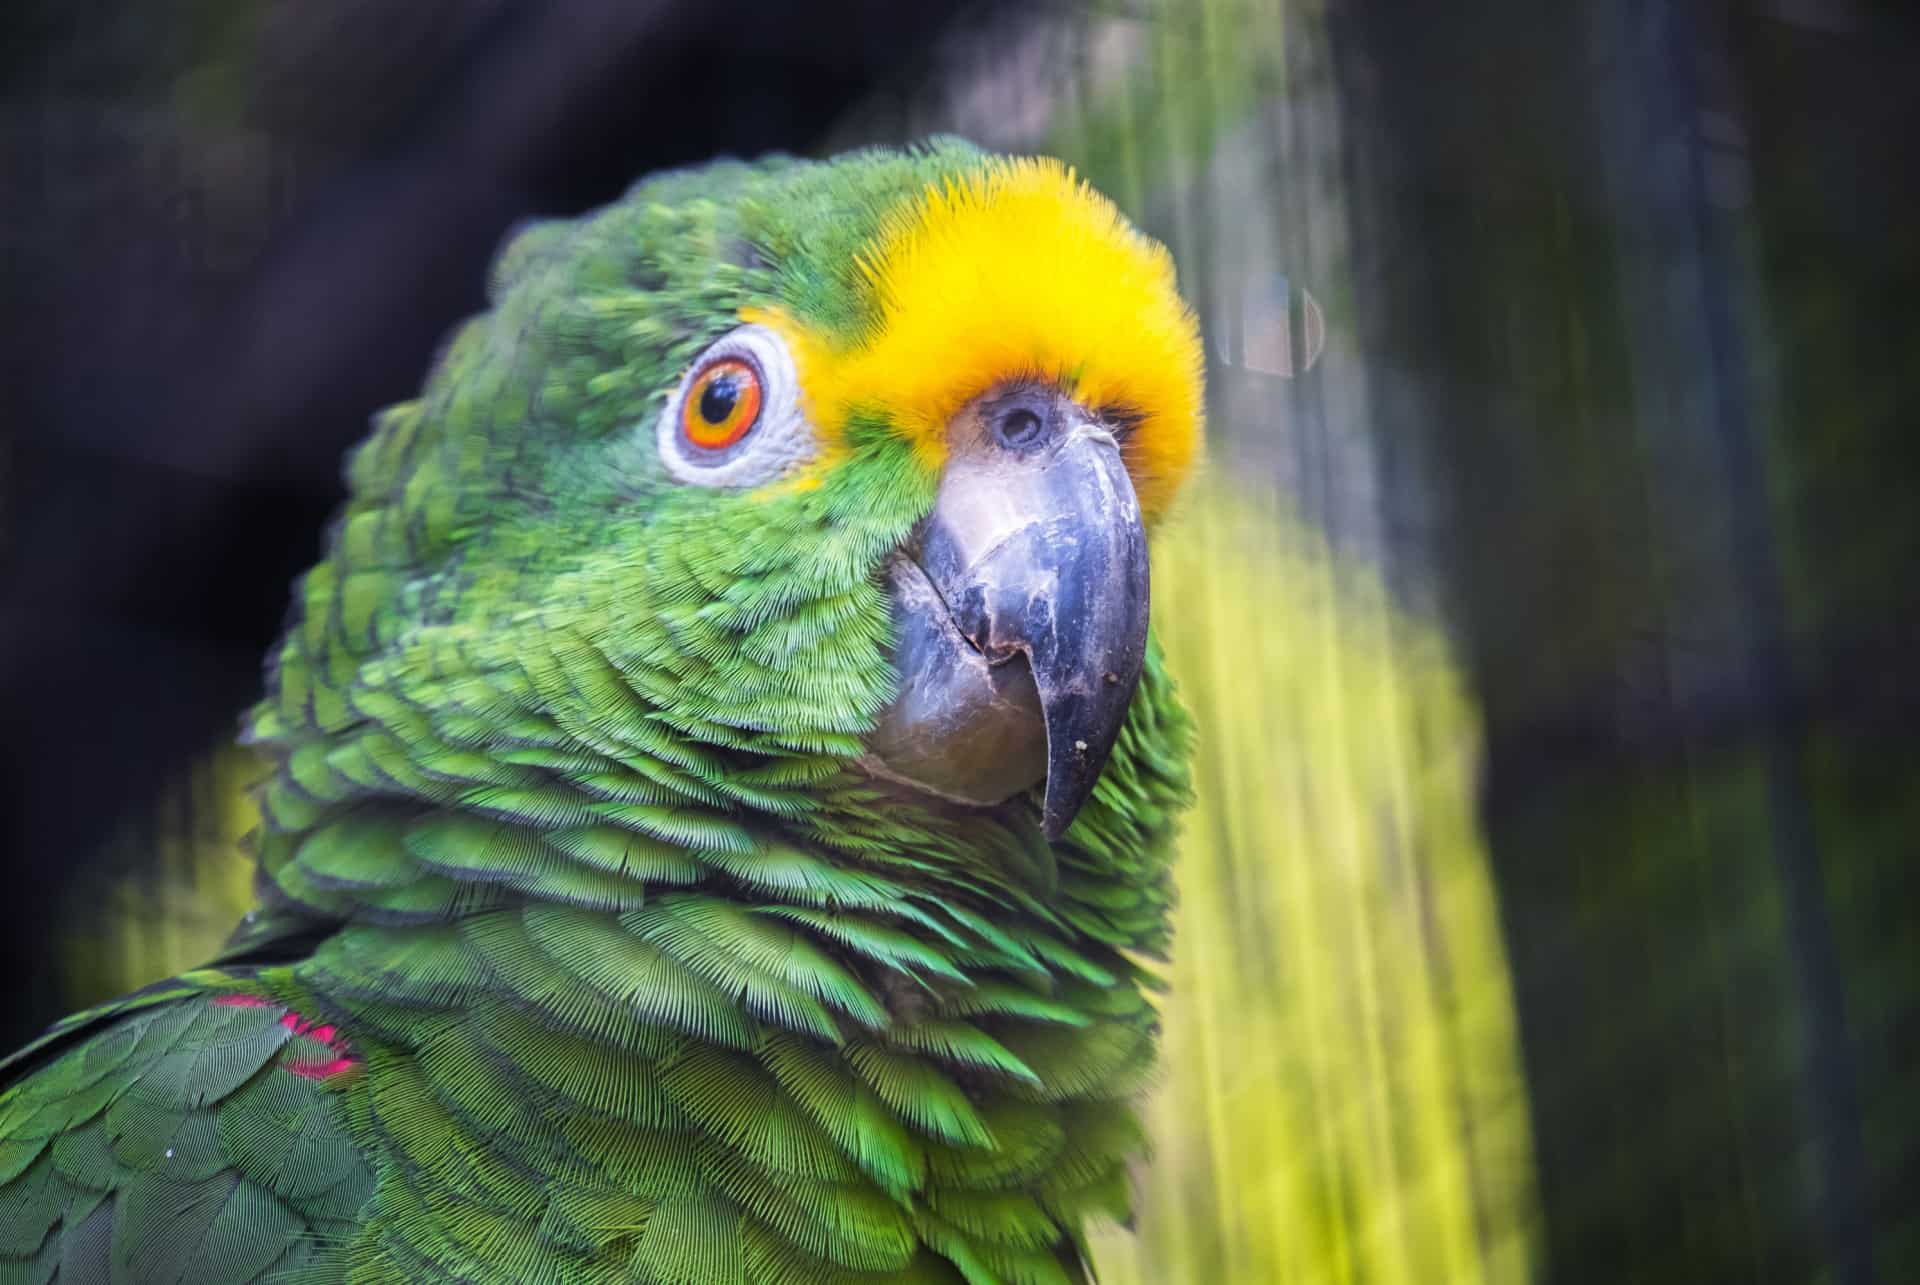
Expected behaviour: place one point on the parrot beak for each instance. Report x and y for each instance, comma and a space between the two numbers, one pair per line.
1020, 611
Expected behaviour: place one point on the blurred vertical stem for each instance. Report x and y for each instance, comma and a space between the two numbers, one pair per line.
1343, 1097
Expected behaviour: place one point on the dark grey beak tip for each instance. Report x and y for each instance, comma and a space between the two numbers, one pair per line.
1081, 730
1063, 803
1067, 792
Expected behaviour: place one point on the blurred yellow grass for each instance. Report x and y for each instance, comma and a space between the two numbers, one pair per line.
1342, 1094
192, 880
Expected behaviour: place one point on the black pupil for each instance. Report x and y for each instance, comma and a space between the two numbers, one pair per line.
717, 402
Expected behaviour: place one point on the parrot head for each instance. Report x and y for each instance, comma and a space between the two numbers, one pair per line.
836, 473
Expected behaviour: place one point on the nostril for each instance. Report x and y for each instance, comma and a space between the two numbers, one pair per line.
1018, 426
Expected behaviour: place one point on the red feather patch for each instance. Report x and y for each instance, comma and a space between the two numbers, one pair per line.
326, 1035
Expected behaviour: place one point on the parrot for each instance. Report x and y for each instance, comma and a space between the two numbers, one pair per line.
720, 782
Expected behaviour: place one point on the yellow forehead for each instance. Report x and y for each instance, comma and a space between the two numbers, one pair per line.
1016, 270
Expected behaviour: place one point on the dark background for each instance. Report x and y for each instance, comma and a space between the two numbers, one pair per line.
1649, 272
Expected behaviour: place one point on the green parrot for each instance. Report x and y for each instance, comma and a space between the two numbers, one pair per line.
721, 781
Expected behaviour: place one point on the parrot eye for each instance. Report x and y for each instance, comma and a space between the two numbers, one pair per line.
735, 419
722, 405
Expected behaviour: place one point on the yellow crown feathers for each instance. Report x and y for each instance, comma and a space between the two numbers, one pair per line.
1016, 270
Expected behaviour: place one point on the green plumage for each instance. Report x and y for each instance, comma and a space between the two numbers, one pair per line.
584, 953
176, 1139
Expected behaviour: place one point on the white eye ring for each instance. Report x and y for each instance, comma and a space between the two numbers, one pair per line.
780, 439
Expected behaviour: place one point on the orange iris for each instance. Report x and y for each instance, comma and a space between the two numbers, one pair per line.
722, 404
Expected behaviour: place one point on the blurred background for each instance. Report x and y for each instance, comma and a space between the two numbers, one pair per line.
1549, 911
